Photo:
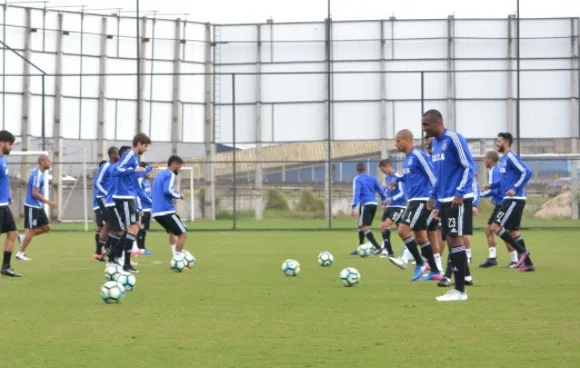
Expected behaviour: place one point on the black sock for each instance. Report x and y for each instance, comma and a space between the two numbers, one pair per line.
141, 239
97, 243
127, 247
467, 270
528, 260
427, 252
6, 260
371, 238
449, 266
361, 237
506, 236
117, 246
112, 239
411, 245
459, 261
387, 241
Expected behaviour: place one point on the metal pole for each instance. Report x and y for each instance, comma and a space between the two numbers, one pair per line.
192, 194
422, 107
518, 148
234, 193
137, 40
43, 114
329, 98
85, 193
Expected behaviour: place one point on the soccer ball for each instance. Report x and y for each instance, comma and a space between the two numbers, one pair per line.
349, 277
325, 259
112, 292
188, 258
127, 279
291, 267
364, 250
112, 272
177, 263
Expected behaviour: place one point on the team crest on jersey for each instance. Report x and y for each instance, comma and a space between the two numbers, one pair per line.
444, 146
410, 161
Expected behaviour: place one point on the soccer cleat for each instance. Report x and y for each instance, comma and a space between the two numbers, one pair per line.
98, 257
522, 258
22, 257
511, 265
425, 267
9, 272
20, 238
398, 262
377, 251
130, 269
147, 252
468, 282
418, 273
444, 282
531, 268
135, 253
490, 262
432, 276
354, 252
452, 296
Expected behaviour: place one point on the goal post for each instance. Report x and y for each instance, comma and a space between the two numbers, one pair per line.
191, 191
46, 174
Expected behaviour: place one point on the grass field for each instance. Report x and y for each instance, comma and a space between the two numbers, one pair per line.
236, 309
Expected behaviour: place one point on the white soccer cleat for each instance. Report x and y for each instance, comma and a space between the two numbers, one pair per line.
22, 257
20, 238
452, 296
385, 253
399, 262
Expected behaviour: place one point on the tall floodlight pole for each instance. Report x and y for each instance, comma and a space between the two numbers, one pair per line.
138, 58
518, 77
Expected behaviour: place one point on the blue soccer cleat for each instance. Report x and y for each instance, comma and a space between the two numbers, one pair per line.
432, 276
418, 273
147, 252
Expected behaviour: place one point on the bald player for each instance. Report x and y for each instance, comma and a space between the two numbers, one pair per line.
35, 219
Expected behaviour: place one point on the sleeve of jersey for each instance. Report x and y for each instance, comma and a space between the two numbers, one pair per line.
139, 205
491, 180
380, 190
355, 193
168, 187
526, 172
142, 174
99, 182
400, 192
464, 156
475, 194
38, 179
126, 166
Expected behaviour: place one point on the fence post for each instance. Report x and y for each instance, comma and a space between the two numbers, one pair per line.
234, 192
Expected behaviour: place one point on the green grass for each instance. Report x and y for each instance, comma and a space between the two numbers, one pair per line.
236, 309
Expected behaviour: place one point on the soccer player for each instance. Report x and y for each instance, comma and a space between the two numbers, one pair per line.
98, 217
452, 194
515, 174
101, 188
144, 196
35, 219
7, 224
396, 203
365, 187
163, 209
125, 196
418, 179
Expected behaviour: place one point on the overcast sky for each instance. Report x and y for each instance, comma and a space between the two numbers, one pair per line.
242, 11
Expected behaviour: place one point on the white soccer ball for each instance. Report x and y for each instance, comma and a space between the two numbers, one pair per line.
112, 272
291, 267
349, 277
177, 263
188, 258
127, 279
112, 292
325, 259
364, 250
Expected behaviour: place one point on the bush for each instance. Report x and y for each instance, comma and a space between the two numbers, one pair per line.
229, 215
276, 201
309, 203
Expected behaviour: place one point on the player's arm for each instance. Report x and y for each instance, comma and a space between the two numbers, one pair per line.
526, 172
169, 187
141, 174
379, 189
491, 181
399, 193
100, 178
461, 149
36, 190
355, 193
126, 166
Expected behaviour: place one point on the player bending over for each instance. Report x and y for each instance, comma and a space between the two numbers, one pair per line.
515, 174
452, 194
102, 184
144, 194
396, 203
35, 219
491, 162
163, 209
418, 179
7, 224
365, 187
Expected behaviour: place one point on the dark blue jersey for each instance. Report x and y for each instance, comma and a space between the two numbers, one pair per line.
417, 175
515, 174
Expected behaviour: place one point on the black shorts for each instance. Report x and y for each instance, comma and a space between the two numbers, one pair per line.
113, 218
146, 220
494, 214
171, 223
34, 217
433, 223
366, 214
510, 213
394, 214
7, 223
416, 215
99, 218
127, 211
457, 221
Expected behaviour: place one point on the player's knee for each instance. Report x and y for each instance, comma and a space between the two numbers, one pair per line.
514, 233
364, 228
46, 228
404, 231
